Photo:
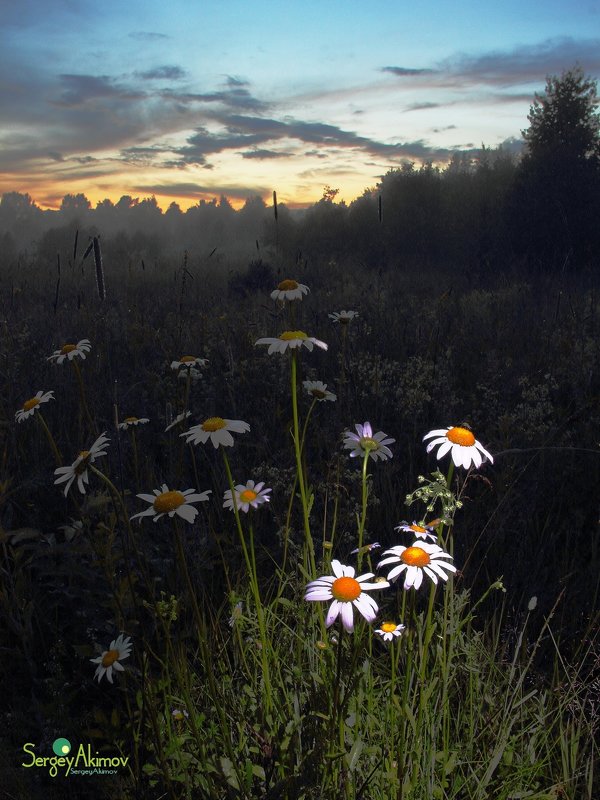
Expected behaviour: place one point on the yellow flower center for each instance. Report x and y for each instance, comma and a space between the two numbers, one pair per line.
187, 359
67, 348
213, 424
168, 501
84, 455
247, 496
461, 436
415, 557
418, 528
346, 589
318, 393
178, 715
388, 627
368, 443
287, 336
29, 404
109, 658
287, 285
130, 419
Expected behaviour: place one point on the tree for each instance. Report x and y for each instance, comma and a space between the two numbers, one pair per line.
557, 193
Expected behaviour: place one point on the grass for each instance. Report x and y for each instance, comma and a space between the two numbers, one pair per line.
235, 687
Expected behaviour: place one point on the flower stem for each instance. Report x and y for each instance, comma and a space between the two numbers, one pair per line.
363, 516
297, 449
50, 438
82, 397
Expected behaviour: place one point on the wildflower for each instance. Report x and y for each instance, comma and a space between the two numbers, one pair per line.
462, 444
343, 317
390, 630
245, 496
78, 469
319, 391
166, 501
129, 422
236, 614
420, 531
367, 548
290, 339
416, 560
188, 362
289, 290
179, 418
345, 591
217, 430
29, 407
179, 714
70, 531
120, 648
70, 351
192, 373
365, 441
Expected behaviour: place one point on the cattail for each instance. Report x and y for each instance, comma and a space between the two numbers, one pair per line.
275, 205
99, 269
379, 208
75, 245
57, 282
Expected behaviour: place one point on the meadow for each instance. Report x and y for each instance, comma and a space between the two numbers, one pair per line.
237, 681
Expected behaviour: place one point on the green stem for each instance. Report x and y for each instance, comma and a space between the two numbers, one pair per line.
82, 397
50, 438
298, 452
363, 516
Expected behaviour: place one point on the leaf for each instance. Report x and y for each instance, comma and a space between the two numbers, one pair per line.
229, 772
354, 754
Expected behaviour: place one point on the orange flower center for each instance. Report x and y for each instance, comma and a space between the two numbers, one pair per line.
346, 589
287, 285
213, 424
388, 627
417, 529
247, 496
287, 336
67, 348
187, 359
130, 419
109, 658
168, 501
29, 404
415, 557
84, 455
461, 436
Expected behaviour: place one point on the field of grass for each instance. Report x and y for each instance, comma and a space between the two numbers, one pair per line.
234, 686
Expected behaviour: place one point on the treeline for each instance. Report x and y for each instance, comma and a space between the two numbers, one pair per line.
537, 209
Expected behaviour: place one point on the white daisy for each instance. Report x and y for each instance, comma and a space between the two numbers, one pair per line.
179, 418
179, 714
130, 422
192, 373
420, 531
365, 441
366, 548
120, 648
245, 496
289, 290
166, 501
217, 430
290, 339
72, 530
416, 560
462, 444
319, 391
70, 351
29, 407
390, 630
343, 317
187, 362
345, 591
78, 469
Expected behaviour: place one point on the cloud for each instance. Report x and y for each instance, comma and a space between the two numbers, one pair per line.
405, 72
265, 154
165, 72
421, 107
79, 89
198, 191
147, 36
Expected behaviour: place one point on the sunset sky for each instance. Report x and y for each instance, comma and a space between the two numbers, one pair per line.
185, 99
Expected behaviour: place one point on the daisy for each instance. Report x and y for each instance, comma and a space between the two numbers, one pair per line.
420, 531
289, 290
343, 317
129, 422
70, 531
366, 548
192, 373
110, 659
290, 339
345, 591
187, 362
416, 560
70, 351
365, 441
245, 496
78, 469
166, 501
179, 714
29, 407
463, 446
217, 430
179, 418
319, 391
389, 631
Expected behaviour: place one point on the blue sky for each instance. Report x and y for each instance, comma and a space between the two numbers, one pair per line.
184, 100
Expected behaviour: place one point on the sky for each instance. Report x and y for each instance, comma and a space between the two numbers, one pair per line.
192, 99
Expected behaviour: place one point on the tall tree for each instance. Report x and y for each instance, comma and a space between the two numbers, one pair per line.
557, 199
